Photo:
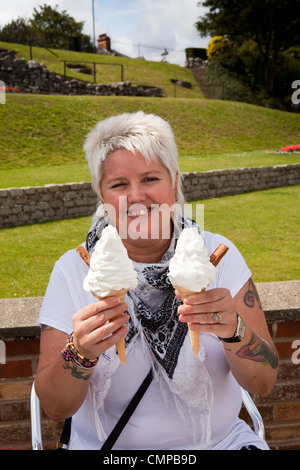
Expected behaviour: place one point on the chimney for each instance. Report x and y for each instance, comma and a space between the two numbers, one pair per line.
104, 42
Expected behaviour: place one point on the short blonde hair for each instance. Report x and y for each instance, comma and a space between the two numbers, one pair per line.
148, 134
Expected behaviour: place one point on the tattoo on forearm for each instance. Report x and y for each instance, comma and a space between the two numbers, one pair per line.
251, 296
78, 374
259, 350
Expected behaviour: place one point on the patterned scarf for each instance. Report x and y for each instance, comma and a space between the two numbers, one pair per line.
153, 310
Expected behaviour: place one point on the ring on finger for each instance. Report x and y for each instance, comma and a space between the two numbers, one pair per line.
216, 318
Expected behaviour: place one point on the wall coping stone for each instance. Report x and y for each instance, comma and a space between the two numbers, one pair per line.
19, 316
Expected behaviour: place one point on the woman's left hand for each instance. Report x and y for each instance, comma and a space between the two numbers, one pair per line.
211, 311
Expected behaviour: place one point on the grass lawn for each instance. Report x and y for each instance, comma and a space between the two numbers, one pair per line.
263, 225
41, 175
48, 132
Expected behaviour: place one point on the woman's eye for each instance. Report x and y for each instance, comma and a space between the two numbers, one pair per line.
150, 178
117, 185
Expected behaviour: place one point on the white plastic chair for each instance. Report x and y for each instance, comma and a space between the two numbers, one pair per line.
36, 431
35, 417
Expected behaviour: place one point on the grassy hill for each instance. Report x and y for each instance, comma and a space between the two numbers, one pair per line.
41, 131
139, 72
42, 135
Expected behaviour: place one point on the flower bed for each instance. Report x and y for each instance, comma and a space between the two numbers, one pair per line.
291, 149
9, 89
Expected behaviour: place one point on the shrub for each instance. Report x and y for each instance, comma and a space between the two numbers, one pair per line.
217, 45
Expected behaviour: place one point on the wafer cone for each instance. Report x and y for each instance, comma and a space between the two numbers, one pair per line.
120, 345
194, 335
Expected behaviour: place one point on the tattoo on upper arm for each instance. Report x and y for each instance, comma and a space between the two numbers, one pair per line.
78, 374
46, 328
259, 350
251, 296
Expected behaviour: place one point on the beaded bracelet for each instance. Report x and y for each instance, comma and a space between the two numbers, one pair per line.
70, 353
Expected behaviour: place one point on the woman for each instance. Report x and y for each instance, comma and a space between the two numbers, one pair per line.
193, 402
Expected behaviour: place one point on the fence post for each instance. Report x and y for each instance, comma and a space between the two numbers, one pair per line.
94, 64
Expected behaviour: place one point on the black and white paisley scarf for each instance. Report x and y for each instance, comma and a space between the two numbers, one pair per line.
153, 311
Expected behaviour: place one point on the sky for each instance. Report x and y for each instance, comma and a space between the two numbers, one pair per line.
136, 27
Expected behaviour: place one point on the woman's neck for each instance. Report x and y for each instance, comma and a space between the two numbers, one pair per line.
146, 251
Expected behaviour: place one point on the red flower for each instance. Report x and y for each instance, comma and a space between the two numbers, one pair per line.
291, 148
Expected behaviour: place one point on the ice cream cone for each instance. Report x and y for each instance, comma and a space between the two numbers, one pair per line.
194, 335
120, 345
112, 293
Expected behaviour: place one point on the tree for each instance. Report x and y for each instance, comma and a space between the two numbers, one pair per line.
53, 28
16, 31
273, 24
48, 27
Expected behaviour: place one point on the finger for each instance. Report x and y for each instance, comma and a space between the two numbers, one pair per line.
213, 307
208, 296
217, 329
109, 328
90, 345
83, 327
96, 307
203, 319
112, 340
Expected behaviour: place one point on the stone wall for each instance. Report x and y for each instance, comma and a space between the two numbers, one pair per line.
29, 205
32, 77
19, 206
240, 180
20, 334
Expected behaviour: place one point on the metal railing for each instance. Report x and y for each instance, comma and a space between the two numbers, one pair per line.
94, 67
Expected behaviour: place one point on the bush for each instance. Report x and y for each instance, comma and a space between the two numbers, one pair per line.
217, 45
225, 79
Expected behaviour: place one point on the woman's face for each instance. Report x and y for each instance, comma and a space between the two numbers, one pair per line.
138, 196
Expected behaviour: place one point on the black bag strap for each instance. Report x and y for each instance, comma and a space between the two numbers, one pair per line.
115, 433
63, 442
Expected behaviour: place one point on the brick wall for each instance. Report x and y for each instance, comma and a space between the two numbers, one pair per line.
29, 205
280, 410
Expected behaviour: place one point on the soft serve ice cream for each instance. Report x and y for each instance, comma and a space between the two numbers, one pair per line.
110, 267
190, 270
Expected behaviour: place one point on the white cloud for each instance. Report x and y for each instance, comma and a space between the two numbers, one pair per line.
129, 23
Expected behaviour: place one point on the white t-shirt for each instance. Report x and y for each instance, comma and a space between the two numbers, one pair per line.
153, 425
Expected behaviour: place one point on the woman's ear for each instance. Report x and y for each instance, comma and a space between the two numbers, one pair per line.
176, 187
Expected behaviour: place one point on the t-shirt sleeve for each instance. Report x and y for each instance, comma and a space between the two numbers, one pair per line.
64, 295
233, 271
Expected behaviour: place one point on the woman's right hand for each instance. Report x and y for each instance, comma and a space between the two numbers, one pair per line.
99, 326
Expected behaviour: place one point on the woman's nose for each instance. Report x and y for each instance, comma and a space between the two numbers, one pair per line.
135, 194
